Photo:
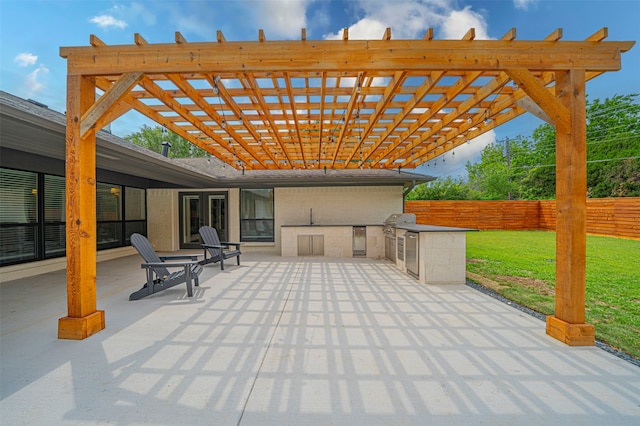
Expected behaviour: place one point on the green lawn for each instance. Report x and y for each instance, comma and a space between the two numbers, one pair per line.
523, 264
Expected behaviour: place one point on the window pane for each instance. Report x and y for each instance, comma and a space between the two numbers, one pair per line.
54, 199
108, 203
134, 204
17, 243
256, 211
18, 196
18, 216
109, 235
54, 240
130, 227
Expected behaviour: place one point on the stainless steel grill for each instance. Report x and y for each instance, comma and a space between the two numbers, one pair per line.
389, 230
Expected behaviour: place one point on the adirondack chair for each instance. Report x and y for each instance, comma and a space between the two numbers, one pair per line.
219, 251
158, 276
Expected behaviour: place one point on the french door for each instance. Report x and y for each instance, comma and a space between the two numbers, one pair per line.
199, 209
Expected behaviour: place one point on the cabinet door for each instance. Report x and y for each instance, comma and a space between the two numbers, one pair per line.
317, 245
304, 245
310, 245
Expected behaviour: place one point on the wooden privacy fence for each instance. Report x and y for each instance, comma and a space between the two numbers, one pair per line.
618, 217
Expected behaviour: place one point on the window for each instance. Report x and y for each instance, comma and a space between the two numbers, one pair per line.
109, 215
33, 217
54, 216
18, 216
256, 215
135, 214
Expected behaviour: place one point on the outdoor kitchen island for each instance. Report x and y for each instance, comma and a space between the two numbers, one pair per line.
341, 241
431, 254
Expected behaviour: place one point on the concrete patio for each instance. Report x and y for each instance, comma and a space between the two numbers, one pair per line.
298, 341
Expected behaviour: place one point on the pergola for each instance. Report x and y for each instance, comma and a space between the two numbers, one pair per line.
335, 104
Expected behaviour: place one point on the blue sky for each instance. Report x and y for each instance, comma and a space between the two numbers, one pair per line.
31, 33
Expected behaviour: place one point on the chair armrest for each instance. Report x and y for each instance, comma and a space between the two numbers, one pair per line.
179, 256
168, 264
213, 246
231, 244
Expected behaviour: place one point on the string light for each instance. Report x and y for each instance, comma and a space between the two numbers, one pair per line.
487, 120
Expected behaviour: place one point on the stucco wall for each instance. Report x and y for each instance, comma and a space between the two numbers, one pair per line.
163, 219
351, 205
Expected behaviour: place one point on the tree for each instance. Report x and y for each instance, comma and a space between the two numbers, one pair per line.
527, 170
613, 140
443, 189
538, 180
613, 148
152, 138
492, 176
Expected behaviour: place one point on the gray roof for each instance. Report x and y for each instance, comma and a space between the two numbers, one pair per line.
230, 176
31, 127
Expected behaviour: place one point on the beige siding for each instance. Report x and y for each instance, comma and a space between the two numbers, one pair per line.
350, 205
163, 219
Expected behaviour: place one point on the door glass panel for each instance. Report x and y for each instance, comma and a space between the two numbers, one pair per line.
191, 219
217, 215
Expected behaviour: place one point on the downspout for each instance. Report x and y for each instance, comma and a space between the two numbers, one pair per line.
406, 192
408, 189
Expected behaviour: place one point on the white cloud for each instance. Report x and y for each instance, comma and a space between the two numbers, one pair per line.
365, 29
106, 21
458, 22
281, 18
523, 4
26, 59
32, 81
409, 19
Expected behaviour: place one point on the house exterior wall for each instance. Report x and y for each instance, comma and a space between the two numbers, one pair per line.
337, 241
163, 216
163, 219
350, 205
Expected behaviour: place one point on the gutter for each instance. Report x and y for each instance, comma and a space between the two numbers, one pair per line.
408, 189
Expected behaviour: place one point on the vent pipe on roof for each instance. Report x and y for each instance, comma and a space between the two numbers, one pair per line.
37, 103
165, 148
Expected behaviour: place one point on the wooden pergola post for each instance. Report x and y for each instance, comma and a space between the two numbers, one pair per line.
568, 323
83, 318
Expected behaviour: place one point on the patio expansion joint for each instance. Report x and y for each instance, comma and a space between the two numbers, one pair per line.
293, 282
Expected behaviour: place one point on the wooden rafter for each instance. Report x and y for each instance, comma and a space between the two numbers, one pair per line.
334, 103
457, 113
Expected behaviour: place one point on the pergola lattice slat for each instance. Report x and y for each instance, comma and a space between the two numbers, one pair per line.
348, 85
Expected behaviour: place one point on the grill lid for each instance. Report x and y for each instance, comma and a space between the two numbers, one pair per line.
400, 219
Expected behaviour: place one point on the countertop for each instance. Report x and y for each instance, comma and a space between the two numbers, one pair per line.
432, 228
323, 225
406, 227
